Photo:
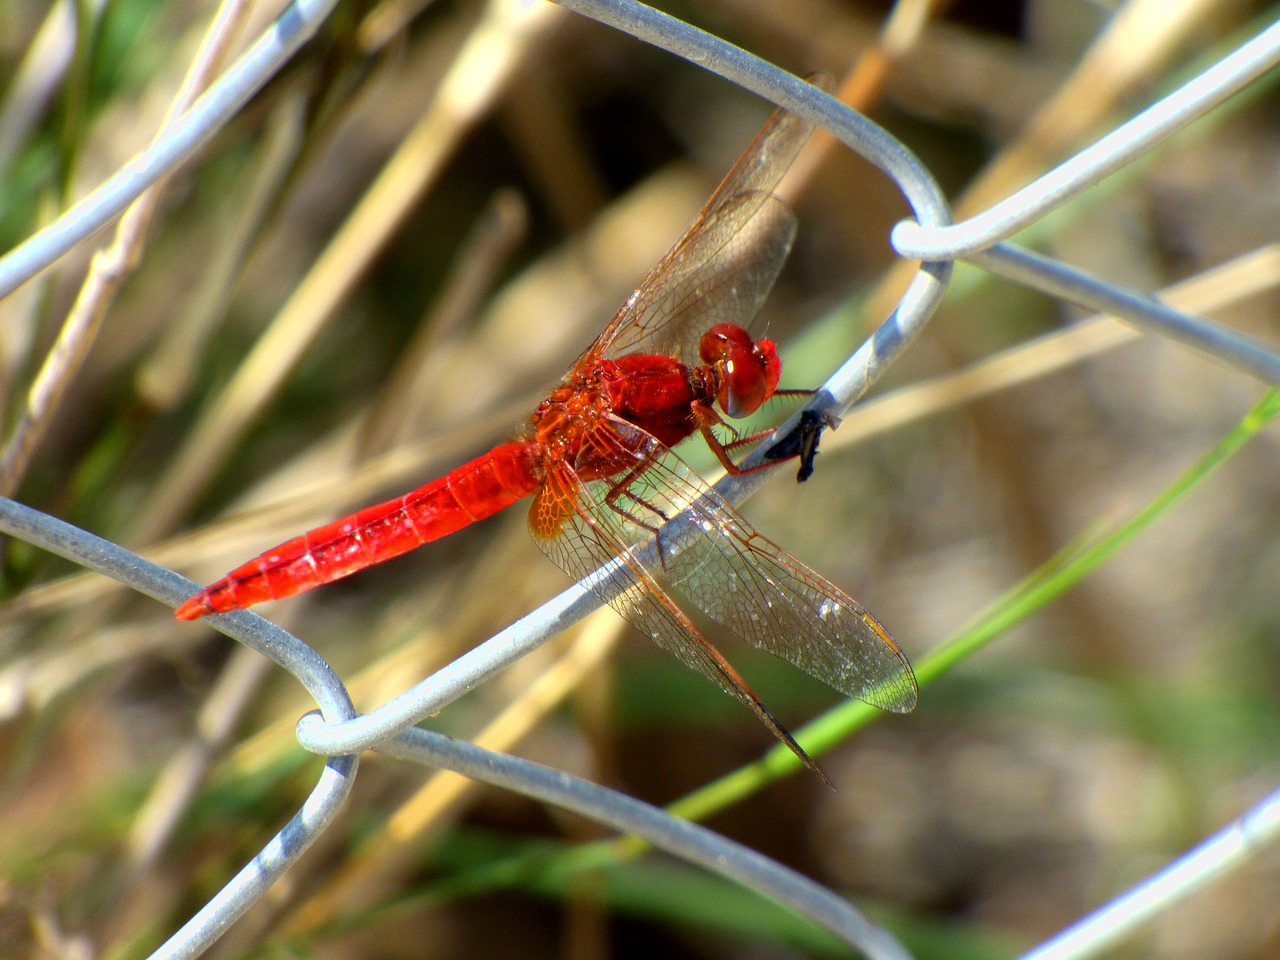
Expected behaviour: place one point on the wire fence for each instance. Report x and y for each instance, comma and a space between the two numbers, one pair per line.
338, 732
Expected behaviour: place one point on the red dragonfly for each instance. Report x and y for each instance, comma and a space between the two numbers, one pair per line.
596, 456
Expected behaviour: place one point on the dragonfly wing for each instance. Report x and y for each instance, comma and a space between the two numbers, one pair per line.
592, 543
724, 275
750, 585
737, 243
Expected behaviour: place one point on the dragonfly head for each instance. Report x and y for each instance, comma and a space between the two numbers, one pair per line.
746, 370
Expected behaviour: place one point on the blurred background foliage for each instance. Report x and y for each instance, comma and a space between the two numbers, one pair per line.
375, 272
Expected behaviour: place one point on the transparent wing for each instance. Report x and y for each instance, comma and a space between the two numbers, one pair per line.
584, 536
738, 577
723, 267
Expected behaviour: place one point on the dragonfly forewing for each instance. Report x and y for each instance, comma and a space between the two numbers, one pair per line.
741, 221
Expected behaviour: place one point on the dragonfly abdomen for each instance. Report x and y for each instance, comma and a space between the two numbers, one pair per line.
469, 493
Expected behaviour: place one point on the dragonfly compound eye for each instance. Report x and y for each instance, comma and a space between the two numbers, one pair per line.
747, 371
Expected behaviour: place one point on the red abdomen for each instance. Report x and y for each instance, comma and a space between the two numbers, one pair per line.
469, 493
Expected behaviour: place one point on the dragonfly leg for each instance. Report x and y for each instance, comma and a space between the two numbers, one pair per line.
708, 420
621, 491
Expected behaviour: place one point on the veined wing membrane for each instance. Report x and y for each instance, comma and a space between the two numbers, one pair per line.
737, 244
729, 284
746, 582
571, 527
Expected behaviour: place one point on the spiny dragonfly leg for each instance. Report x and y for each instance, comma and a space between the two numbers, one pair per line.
708, 420
621, 491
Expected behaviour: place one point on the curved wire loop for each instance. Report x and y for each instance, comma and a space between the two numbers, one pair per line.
335, 780
922, 241
980, 239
